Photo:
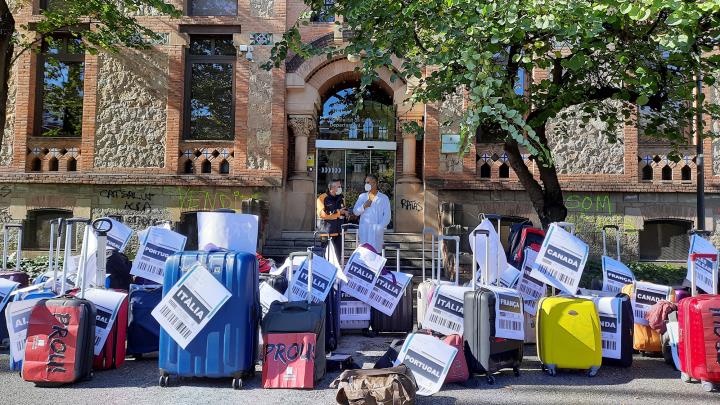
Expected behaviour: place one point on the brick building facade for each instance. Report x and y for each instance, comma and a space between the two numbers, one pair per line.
137, 154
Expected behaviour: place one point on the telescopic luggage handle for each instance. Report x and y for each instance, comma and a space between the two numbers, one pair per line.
396, 248
309, 256
433, 238
69, 223
712, 257
475, 234
6, 240
56, 226
617, 239
568, 226
346, 228
441, 239
101, 227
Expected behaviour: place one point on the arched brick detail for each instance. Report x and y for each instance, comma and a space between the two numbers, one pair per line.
668, 211
326, 75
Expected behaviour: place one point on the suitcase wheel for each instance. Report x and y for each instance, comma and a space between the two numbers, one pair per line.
164, 381
707, 386
490, 379
551, 369
237, 383
684, 377
516, 371
593, 371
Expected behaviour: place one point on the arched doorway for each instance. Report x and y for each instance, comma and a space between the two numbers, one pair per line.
353, 142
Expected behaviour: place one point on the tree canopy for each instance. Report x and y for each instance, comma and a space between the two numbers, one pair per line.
601, 59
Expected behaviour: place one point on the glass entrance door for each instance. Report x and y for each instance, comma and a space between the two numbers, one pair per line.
351, 166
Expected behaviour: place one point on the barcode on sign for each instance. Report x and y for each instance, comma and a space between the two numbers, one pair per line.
344, 310
357, 287
556, 274
703, 279
535, 294
149, 268
508, 324
439, 320
609, 345
300, 292
97, 340
380, 300
175, 322
20, 346
639, 313
612, 288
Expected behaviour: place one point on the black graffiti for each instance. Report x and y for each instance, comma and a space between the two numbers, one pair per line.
5, 191
286, 354
55, 363
134, 201
138, 206
411, 205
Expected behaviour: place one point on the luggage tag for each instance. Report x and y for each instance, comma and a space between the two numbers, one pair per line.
362, 271
7, 287
703, 266
17, 317
353, 312
644, 296
190, 304
323, 280
509, 276
388, 291
615, 275
429, 359
445, 313
528, 286
608, 308
509, 317
561, 260
268, 295
157, 246
107, 303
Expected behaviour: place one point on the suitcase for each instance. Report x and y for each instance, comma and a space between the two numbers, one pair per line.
227, 346
423, 289
300, 317
486, 353
113, 352
529, 237
332, 308
61, 334
401, 321
699, 340
143, 331
646, 340
616, 352
287, 362
568, 334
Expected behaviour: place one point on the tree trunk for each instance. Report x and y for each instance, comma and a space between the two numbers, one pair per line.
7, 28
547, 199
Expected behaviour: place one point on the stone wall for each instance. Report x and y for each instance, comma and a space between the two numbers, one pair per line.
259, 122
131, 109
8, 135
262, 8
578, 150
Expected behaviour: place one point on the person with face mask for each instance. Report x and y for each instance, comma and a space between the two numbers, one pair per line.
331, 212
373, 208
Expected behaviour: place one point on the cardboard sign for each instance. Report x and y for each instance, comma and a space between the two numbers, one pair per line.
156, 247
107, 303
615, 275
388, 291
528, 286
703, 267
323, 280
289, 360
117, 238
7, 287
228, 230
17, 316
362, 270
354, 314
645, 296
497, 260
509, 276
429, 359
561, 260
190, 304
444, 315
609, 310
509, 317
268, 295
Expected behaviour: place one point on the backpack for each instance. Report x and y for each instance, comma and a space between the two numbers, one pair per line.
386, 386
118, 270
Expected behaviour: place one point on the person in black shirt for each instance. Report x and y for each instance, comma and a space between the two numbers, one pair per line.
331, 211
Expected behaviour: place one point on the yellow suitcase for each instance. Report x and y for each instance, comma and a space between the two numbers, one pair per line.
645, 339
568, 334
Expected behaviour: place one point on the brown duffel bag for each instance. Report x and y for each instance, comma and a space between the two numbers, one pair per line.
385, 386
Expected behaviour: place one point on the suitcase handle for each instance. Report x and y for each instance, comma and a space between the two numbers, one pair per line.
475, 234
396, 248
617, 239
346, 228
441, 241
101, 227
570, 227
6, 240
693, 258
68, 247
309, 255
433, 236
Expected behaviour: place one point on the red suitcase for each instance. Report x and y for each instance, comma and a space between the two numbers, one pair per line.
699, 342
60, 335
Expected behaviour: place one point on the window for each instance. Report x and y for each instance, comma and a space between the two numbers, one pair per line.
485, 171
686, 173
37, 227
325, 14
647, 173
210, 105
224, 167
36, 165
504, 171
53, 164
212, 7
61, 69
71, 165
206, 167
667, 173
665, 240
189, 169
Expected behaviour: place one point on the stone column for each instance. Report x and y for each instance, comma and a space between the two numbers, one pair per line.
299, 201
409, 195
408, 173
301, 126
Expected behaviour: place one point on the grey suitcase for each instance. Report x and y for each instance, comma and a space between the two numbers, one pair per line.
300, 317
485, 353
401, 321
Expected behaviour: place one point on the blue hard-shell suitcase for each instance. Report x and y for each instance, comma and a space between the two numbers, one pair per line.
227, 346
143, 332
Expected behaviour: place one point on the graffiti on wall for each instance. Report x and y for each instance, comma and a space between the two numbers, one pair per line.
411, 205
194, 199
5, 191
589, 204
130, 199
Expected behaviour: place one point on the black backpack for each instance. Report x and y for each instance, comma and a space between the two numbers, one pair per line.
118, 270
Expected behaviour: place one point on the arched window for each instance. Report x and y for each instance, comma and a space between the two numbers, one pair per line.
339, 121
686, 173
647, 173
485, 171
206, 167
36, 165
665, 240
224, 167
71, 165
189, 168
667, 173
504, 171
36, 234
53, 164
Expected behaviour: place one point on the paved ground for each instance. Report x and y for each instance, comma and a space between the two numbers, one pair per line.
648, 381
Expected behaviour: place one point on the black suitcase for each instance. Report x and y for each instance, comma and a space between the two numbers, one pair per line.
401, 321
607, 324
300, 317
332, 308
485, 353
276, 281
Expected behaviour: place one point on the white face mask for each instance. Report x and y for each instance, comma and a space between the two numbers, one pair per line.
338, 191
368, 187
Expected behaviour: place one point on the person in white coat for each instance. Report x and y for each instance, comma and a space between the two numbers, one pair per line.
373, 208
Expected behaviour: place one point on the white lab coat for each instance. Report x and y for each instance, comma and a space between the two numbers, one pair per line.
373, 220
